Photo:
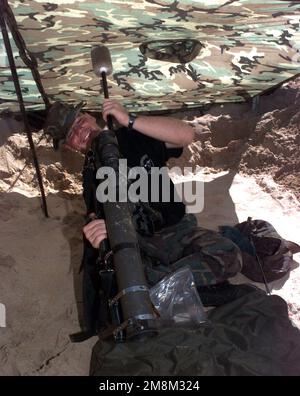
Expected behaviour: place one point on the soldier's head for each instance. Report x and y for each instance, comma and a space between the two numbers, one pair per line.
83, 131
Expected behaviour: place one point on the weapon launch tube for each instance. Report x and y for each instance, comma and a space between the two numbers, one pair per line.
133, 294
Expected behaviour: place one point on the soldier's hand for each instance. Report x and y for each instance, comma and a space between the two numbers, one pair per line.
115, 109
95, 232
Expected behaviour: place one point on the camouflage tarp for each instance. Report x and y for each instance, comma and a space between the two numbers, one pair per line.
248, 46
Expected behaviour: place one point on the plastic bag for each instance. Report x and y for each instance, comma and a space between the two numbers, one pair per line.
177, 301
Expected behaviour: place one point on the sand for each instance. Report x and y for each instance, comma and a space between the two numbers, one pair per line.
249, 162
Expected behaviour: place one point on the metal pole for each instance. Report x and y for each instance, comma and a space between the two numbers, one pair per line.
21, 104
252, 231
25, 55
105, 89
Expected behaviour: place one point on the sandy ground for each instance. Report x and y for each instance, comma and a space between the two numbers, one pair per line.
40, 258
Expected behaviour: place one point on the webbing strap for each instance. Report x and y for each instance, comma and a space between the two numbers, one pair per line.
124, 245
25, 54
131, 289
114, 330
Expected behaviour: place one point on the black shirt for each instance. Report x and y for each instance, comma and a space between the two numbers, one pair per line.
142, 150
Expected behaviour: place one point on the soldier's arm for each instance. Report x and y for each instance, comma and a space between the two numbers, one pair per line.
174, 132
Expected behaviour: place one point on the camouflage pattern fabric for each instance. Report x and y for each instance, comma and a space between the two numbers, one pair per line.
175, 51
211, 257
247, 46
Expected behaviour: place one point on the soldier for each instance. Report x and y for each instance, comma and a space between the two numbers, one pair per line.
176, 240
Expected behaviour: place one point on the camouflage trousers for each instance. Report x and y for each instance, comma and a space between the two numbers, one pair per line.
211, 257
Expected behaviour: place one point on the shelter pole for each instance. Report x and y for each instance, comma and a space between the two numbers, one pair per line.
21, 104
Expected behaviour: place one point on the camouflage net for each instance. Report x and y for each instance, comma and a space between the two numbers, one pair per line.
247, 47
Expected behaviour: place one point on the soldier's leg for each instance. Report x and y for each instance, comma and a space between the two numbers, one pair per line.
211, 257
163, 248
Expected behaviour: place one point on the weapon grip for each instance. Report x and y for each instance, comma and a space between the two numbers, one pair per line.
104, 247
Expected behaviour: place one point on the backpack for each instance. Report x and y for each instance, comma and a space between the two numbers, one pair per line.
274, 252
